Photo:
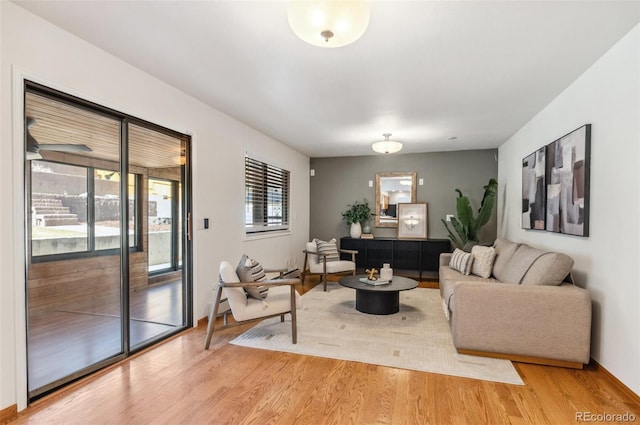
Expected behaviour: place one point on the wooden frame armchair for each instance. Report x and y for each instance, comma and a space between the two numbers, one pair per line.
281, 299
313, 265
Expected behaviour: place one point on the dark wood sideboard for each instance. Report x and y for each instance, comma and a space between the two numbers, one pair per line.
404, 255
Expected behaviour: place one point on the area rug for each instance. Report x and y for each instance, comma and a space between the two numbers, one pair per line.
416, 338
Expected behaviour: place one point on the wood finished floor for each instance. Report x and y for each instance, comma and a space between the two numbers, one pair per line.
178, 382
67, 340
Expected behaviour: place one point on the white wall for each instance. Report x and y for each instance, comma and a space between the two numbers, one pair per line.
607, 95
33, 48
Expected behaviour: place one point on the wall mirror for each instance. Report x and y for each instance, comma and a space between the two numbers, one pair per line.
392, 189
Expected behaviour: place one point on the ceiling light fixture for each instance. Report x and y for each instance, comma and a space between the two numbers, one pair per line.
386, 145
329, 23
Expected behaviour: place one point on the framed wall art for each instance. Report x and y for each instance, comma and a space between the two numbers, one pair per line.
412, 221
567, 174
534, 190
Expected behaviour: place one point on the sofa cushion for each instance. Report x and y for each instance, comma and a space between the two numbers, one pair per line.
520, 262
249, 270
504, 251
447, 274
461, 261
449, 278
483, 257
549, 269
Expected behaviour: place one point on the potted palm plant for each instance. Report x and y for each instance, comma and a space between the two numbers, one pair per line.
355, 216
465, 227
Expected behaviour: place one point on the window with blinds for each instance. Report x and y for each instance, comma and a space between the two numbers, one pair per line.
266, 197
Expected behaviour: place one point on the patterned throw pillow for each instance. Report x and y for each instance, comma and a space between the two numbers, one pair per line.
461, 261
328, 248
483, 257
249, 270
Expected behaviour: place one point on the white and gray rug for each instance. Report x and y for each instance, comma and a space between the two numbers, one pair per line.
416, 338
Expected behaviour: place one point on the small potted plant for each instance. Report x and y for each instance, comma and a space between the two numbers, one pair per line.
355, 216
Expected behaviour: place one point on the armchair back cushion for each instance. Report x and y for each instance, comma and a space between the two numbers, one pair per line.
236, 296
312, 259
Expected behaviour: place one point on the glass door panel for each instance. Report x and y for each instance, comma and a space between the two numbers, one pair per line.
161, 220
157, 282
74, 262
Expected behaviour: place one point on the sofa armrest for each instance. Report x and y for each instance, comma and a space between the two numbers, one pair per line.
527, 320
445, 258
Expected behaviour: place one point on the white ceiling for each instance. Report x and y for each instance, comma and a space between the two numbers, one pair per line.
424, 70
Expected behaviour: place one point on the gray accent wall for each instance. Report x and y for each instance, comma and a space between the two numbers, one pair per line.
341, 181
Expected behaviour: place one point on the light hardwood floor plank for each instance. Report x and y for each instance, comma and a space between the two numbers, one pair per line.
177, 382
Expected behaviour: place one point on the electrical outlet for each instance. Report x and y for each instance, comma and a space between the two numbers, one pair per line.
449, 216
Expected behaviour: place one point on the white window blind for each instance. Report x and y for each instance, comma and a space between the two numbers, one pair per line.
266, 197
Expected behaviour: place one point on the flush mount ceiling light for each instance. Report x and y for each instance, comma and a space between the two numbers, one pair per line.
329, 23
386, 145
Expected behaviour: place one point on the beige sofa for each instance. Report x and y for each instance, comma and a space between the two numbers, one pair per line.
526, 310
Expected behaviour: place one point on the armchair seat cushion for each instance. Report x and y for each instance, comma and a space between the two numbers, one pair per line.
277, 302
333, 267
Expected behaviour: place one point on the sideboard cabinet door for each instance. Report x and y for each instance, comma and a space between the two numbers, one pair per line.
431, 253
355, 244
420, 255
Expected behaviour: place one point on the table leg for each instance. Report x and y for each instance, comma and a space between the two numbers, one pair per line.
373, 302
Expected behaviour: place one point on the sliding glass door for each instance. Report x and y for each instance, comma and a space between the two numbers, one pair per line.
157, 279
104, 270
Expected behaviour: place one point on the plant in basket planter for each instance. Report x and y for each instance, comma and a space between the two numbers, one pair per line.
465, 225
356, 215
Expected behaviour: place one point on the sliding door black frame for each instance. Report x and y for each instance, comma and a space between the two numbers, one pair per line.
187, 310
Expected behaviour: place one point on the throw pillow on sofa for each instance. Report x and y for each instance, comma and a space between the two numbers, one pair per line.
482, 263
249, 270
461, 261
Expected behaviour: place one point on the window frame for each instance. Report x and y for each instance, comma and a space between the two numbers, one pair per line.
265, 176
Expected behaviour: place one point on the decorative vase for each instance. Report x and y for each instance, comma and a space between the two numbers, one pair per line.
355, 231
366, 228
386, 272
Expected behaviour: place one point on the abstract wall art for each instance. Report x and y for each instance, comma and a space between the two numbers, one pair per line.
534, 190
567, 178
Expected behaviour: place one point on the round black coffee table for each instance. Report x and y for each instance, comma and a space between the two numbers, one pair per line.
378, 299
